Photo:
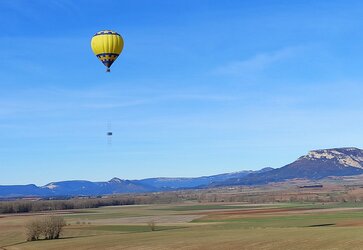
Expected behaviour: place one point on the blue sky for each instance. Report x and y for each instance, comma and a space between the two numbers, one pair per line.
202, 87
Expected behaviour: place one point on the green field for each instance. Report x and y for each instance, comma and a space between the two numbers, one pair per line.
200, 226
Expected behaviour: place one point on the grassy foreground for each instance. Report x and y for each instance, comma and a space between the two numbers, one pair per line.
200, 226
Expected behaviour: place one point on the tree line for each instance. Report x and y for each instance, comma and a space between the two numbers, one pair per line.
26, 206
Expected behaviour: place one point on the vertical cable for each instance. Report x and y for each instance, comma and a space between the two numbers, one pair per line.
109, 133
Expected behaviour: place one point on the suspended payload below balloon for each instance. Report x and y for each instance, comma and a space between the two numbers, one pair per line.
107, 45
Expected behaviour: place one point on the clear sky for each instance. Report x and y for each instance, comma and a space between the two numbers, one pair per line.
202, 87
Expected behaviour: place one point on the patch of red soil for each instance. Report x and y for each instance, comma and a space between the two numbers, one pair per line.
350, 224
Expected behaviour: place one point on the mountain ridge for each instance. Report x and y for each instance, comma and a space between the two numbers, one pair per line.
315, 165
115, 185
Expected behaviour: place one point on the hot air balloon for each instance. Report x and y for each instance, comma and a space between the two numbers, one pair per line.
107, 46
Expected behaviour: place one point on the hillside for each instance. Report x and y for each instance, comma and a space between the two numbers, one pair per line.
315, 165
175, 183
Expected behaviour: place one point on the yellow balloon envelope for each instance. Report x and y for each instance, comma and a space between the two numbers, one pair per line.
107, 46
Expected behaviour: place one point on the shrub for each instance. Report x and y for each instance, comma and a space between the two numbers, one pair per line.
49, 227
152, 225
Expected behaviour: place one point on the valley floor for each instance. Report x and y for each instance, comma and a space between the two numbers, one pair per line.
200, 226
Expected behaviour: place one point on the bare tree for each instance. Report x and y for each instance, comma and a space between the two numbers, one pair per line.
49, 227
33, 229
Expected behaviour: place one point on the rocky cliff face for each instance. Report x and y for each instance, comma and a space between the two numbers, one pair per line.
348, 157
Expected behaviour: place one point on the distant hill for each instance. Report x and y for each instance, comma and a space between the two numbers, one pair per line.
21, 191
315, 165
88, 188
116, 186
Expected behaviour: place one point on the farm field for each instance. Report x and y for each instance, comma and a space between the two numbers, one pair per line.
200, 226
